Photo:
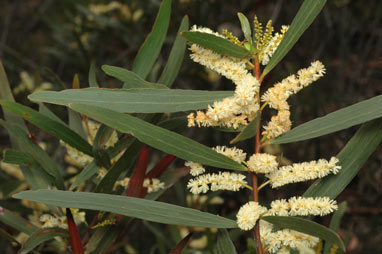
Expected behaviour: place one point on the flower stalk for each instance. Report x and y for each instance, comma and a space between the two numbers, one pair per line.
255, 191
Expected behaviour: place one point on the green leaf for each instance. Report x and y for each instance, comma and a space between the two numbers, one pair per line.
352, 157
217, 44
18, 157
47, 112
128, 206
40, 236
224, 243
249, 131
159, 138
51, 126
306, 226
92, 76
245, 26
75, 123
90, 169
100, 155
335, 224
150, 49
338, 120
170, 177
101, 240
177, 124
130, 79
39, 155
17, 222
6, 94
303, 19
10, 187
125, 163
175, 59
134, 100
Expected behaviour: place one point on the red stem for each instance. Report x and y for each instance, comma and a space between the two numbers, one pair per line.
256, 230
75, 239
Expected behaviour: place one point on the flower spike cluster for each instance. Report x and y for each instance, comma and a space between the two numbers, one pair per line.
232, 111
242, 108
282, 241
276, 97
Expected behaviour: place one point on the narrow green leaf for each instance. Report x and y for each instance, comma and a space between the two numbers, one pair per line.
150, 49
40, 236
27, 146
338, 120
17, 222
36, 177
224, 243
303, 19
100, 155
159, 138
18, 157
90, 169
6, 94
75, 123
307, 227
352, 157
177, 124
52, 127
134, 100
335, 224
47, 112
128, 206
130, 79
10, 187
125, 163
249, 131
92, 76
170, 177
217, 44
175, 59
245, 26
101, 240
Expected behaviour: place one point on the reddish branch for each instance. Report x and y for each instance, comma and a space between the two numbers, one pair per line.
259, 246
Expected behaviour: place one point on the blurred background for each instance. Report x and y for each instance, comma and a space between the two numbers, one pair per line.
43, 44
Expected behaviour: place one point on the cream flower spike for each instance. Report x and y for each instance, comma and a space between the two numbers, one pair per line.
234, 153
277, 96
206, 30
278, 125
222, 181
281, 241
195, 168
300, 172
272, 45
300, 206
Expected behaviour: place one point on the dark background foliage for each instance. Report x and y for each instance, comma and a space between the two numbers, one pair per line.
53, 40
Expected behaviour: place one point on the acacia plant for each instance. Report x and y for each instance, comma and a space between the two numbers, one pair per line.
109, 184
